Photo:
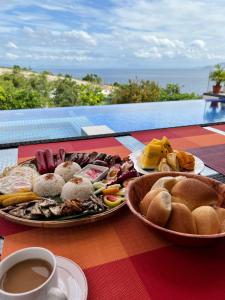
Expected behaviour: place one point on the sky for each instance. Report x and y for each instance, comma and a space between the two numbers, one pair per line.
112, 33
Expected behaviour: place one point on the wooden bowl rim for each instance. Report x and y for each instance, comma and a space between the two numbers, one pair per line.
62, 223
176, 233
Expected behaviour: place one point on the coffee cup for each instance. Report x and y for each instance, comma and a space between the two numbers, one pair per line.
48, 290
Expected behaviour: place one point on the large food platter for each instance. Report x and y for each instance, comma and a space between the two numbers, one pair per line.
83, 217
135, 157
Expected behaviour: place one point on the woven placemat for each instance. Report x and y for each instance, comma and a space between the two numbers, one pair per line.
213, 157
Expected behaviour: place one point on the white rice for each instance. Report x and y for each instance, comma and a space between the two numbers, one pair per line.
67, 170
48, 185
78, 188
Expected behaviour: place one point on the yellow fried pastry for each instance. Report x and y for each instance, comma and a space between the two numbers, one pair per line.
186, 160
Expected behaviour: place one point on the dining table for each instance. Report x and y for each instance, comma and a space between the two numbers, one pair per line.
120, 256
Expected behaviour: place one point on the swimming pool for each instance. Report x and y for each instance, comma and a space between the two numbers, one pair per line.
52, 123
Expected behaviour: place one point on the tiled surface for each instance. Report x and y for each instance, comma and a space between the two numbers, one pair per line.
42, 129
96, 130
216, 130
120, 118
130, 142
8, 158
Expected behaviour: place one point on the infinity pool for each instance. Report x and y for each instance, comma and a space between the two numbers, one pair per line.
51, 123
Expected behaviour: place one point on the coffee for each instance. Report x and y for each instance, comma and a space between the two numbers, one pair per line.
25, 276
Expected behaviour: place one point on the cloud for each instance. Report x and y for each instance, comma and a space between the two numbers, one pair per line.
199, 44
113, 32
151, 53
28, 30
11, 56
11, 45
56, 58
161, 42
80, 35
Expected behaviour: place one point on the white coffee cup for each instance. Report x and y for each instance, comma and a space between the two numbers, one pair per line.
48, 290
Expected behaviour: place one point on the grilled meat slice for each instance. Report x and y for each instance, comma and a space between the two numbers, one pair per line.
17, 212
92, 157
35, 211
7, 208
71, 206
45, 211
56, 210
46, 203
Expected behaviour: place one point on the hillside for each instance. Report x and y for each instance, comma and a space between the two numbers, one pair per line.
106, 89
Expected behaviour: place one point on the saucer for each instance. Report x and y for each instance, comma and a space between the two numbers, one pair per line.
72, 280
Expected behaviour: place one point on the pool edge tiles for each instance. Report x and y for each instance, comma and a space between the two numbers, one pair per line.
41, 129
8, 157
120, 118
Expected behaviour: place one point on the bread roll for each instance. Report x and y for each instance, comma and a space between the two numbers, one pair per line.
181, 219
166, 182
221, 214
207, 220
145, 202
160, 208
193, 193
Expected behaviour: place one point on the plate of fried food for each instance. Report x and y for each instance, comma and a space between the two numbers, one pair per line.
159, 156
64, 189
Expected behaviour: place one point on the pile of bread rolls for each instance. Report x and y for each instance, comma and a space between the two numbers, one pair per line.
185, 205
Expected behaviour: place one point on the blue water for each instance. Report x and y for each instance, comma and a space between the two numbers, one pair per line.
53, 123
190, 80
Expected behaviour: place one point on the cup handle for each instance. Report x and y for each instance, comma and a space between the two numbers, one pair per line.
56, 294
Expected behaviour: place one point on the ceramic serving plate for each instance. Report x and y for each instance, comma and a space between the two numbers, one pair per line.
135, 157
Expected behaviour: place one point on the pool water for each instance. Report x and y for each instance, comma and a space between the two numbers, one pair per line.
53, 123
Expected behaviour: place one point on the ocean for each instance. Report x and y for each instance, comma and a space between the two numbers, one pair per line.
190, 80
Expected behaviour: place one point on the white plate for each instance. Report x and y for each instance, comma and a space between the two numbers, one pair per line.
135, 157
72, 280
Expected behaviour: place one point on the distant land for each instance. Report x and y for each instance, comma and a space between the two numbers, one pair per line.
190, 80
105, 88
194, 79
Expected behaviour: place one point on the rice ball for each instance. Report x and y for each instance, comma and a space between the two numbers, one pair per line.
48, 185
78, 188
67, 170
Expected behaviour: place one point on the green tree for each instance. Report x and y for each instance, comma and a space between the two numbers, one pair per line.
47, 73
3, 99
90, 95
66, 92
136, 92
16, 69
147, 91
93, 78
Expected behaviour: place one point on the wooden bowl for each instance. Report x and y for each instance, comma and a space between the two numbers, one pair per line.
139, 188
